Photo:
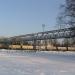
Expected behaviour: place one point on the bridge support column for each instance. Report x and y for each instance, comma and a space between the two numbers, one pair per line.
21, 44
38, 45
45, 44
67, 44
34, 44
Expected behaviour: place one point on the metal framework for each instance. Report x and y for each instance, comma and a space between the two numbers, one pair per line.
54, 34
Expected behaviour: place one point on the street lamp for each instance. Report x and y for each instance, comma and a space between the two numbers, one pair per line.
43, 27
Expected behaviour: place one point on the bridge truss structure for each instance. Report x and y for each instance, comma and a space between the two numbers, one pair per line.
47, 35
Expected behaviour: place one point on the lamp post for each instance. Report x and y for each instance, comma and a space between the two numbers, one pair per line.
43, 27
45, 41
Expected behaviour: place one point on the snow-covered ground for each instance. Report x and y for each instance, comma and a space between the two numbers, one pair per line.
37, 63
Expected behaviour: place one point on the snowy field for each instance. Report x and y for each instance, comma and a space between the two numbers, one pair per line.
37, 63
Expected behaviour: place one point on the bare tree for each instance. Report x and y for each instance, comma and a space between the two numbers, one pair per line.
66, 16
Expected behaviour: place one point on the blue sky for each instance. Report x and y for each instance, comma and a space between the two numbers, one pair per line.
27, 16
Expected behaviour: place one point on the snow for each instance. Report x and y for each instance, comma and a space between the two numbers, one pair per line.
37, 63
